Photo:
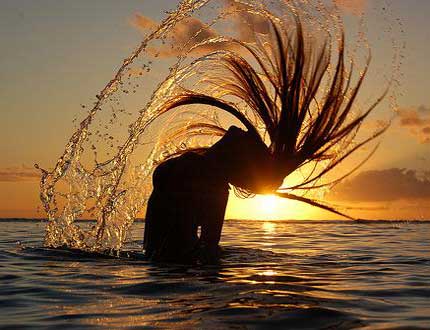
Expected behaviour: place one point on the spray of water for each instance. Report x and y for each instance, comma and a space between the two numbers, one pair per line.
105, 169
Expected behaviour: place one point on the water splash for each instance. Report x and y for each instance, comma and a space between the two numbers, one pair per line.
104, 172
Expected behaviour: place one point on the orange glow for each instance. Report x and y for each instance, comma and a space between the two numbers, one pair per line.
267, 207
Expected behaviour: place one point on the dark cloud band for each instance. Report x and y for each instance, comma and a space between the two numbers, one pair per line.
384, 185
18, 174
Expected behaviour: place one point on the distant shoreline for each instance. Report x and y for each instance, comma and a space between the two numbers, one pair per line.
251, 220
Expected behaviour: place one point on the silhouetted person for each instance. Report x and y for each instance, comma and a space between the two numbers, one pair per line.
192, 190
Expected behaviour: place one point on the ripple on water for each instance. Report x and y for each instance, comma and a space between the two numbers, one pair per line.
327, 285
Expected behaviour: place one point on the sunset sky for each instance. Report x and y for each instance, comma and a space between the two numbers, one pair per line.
57, 55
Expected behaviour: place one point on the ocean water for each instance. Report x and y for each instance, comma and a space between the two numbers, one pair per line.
284, 274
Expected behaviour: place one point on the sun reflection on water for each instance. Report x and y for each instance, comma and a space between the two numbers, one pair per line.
269, 227
269, 272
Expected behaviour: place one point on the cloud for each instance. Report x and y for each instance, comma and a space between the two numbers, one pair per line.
143, 22
423, 109
17, 174
189, 31
355, 7
246, 23
417, 121
383, 185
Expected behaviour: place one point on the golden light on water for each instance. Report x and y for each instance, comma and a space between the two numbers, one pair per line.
269, 272
269, 227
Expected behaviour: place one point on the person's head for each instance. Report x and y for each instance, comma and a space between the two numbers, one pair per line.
245, 161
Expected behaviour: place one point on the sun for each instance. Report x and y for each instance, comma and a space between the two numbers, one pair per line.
268, 204
265, 207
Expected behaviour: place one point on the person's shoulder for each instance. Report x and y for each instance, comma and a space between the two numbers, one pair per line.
191, 155
186, 158
235, 130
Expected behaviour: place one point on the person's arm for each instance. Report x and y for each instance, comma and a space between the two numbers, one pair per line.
212, 223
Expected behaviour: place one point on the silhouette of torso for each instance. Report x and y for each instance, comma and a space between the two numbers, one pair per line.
192, 190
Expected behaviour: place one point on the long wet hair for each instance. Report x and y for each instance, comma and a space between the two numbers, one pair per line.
302, 96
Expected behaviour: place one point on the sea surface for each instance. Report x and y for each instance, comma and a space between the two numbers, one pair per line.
281, 275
